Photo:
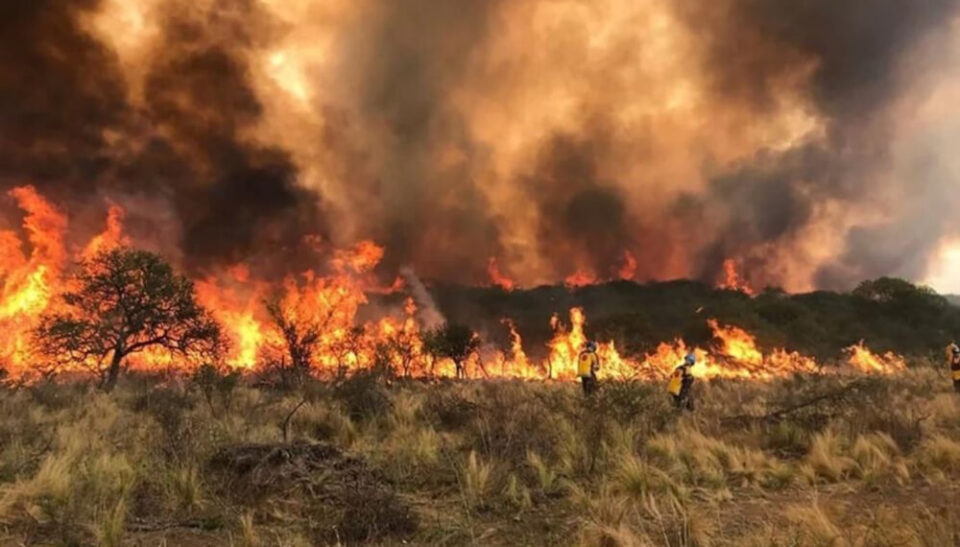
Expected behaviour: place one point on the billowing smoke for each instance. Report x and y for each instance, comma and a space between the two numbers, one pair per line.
871, 67
74, 126
808, 140
430, 316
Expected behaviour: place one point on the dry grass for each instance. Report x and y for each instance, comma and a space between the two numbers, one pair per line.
828, 459
475, 480
817, 524
938, 457
489, 463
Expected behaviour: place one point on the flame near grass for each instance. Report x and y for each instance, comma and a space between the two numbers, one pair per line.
331, 297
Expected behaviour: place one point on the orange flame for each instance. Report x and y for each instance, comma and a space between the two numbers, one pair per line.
580, 278
732, 279
628, 270
31, 282
32, 278
739, 350
497, 278
234, 303
736, 355
112, 235
516, 364
866, 361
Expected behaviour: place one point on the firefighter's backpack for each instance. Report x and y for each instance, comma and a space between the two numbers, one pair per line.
676, 383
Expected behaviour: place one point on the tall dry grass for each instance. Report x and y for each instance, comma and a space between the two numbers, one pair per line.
500, 462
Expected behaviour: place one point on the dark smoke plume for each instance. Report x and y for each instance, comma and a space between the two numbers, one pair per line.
861, 66
63, 95
552, 136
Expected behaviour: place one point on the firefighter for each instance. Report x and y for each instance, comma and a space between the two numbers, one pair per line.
953, 358
587, 364
681, 382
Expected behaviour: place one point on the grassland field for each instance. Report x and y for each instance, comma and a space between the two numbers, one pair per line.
822, 460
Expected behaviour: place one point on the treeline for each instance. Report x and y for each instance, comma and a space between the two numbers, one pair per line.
888, 314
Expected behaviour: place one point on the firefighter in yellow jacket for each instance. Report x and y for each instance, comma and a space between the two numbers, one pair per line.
587, 364
953, 359
681, 383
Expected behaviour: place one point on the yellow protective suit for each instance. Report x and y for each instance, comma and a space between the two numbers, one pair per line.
676, 382
587, 363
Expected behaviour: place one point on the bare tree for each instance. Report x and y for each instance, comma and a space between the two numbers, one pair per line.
127, 301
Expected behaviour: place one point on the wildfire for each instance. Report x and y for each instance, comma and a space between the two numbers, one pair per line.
628, 270
566, 345
516, 364
29, 282
736, 343
580, 278
732, 279
497, 278
234, 302
328, 300
112, 236
739, 347
735, 354
866, 361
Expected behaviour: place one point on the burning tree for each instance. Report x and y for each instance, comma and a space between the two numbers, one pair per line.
349, 346
300, 337
313, 316
453, 341
405, 348
124, 302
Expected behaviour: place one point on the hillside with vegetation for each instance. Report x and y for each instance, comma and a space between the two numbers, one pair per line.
888, 314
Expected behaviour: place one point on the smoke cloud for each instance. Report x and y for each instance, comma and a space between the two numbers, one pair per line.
430, 315
808, 140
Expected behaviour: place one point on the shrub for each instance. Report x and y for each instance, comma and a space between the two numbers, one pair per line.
215, 383
363, 395
55, 395
168, 407
786, 439
512, 421
447, 408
